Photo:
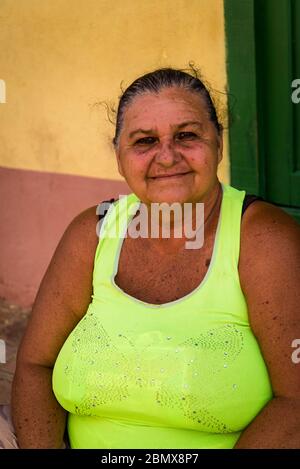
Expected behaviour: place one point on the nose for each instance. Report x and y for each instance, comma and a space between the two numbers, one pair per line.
167, 155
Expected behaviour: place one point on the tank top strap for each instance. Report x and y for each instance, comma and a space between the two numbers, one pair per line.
112, 231
229, 229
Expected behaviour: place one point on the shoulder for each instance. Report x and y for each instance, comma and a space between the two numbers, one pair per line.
270, 242
269, 270
64, 293
269, 264
266, 229
85, 219
81, 232
69, 274
73, 258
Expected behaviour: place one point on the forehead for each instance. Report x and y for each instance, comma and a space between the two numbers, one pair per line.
170, 106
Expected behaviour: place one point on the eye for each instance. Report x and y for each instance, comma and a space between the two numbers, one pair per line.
186, 136
145, 141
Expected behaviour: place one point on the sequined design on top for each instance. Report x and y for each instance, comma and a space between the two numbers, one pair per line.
115, 369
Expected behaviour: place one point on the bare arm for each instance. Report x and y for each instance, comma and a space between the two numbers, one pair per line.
62, 299
270, 278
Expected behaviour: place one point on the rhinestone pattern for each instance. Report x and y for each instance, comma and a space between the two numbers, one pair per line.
114, 369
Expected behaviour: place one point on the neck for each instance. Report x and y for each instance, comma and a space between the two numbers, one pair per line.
170, 230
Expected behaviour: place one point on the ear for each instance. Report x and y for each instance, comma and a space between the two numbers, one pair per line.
220, 146
120, 169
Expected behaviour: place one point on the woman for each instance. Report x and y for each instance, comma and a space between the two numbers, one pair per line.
155, 345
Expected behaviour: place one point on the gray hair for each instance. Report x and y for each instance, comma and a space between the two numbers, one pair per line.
154, 82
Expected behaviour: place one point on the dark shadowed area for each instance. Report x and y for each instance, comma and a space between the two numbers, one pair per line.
13, 321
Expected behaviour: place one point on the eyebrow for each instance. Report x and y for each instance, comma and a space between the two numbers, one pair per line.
138, 131
178, 127
185, 124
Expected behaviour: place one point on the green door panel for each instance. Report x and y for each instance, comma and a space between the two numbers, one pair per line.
263, 59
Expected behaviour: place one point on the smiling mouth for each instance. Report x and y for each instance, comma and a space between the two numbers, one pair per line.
168, 176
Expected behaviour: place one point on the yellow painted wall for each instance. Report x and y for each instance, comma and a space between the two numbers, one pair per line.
59, 57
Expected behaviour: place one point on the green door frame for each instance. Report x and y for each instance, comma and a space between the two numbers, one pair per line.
242, 99
245, 98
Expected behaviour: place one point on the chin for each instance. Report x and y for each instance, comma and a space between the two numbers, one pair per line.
169, 196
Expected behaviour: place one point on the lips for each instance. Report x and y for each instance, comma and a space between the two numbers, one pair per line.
165, 176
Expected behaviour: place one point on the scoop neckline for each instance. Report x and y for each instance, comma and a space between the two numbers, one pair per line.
183, 298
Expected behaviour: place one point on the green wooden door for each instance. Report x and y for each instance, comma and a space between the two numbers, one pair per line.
268, 32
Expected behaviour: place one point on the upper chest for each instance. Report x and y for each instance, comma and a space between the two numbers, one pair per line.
152, 277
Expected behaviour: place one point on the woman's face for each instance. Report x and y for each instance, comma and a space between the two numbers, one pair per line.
168, 148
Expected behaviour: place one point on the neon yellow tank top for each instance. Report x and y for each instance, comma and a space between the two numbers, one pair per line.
184, 374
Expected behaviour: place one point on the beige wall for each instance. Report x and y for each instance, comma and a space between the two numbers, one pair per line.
58, 57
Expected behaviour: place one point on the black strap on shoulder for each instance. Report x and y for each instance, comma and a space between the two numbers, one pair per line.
101, 211
103, 208
248, 200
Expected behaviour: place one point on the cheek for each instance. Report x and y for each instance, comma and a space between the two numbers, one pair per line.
204, 161
199, 159
136, 168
